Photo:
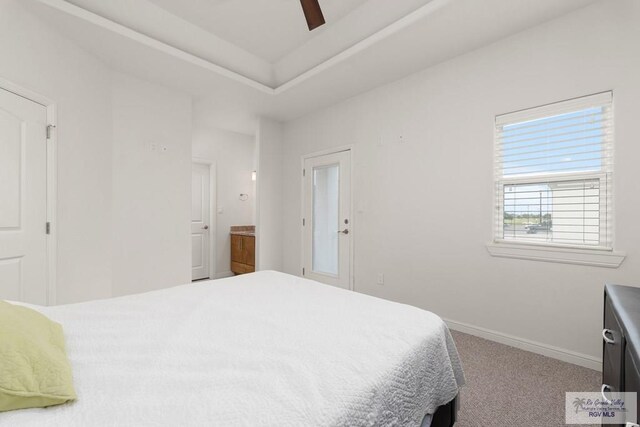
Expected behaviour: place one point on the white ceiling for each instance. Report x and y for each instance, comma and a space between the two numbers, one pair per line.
266, 40
266, 28
373, 42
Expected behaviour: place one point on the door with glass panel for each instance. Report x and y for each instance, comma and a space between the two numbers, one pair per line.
327, 219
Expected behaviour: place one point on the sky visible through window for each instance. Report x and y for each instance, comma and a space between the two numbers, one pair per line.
569, 142
557, 210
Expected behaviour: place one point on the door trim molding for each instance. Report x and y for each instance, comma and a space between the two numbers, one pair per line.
52, 181
213, 213
352, 225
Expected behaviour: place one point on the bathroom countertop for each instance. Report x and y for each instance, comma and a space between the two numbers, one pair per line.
243, 233
243, 230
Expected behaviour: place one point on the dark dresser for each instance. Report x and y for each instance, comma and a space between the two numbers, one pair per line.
621, 340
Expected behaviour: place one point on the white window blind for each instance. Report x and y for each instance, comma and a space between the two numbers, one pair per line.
553, 174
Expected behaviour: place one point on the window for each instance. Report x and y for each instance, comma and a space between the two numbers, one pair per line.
553, 174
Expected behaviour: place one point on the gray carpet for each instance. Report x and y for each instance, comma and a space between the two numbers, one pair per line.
511, 387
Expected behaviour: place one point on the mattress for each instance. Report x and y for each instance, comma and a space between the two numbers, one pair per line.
264, 349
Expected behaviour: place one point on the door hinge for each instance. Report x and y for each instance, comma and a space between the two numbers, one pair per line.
303, 271
50, 130
304, 171
303, 223
48, 228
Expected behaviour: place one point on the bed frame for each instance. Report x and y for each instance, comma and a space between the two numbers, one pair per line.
446, 415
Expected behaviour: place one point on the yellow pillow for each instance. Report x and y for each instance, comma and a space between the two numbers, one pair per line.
34, 369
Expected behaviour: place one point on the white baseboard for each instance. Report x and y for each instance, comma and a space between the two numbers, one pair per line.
222, 275
528, 345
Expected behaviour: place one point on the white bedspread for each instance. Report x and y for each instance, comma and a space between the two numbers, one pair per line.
266, 349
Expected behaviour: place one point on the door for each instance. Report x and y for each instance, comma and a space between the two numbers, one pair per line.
327, 219
23, 199
200, 219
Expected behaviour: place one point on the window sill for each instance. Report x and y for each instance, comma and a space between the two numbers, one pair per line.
593, 257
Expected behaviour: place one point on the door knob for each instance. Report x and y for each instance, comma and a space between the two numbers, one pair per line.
205, 227
345, 231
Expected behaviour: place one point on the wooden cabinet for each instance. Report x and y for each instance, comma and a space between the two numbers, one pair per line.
236, 250
243, 253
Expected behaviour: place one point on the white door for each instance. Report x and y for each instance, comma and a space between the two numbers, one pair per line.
200, 216
327, 219
23, 199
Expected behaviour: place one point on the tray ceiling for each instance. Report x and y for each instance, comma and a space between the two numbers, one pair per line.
371, 43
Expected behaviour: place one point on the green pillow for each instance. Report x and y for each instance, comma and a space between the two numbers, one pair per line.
34, 369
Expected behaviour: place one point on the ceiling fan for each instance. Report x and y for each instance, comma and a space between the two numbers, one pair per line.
312, 13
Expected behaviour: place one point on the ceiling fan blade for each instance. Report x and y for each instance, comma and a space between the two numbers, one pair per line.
313, 13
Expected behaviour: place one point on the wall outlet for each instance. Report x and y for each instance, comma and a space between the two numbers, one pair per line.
380, 279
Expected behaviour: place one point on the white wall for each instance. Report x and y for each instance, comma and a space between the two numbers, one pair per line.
424, 206
123, 212
233, 155
151, 186
40, 60
269, 209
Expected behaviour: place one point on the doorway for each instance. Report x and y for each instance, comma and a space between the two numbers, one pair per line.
202, 220
327, 226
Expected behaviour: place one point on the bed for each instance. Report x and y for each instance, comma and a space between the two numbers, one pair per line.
262, 349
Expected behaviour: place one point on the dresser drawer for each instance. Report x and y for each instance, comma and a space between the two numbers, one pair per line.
613, 344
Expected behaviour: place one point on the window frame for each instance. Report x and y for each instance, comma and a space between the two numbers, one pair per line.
602, 254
